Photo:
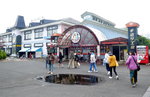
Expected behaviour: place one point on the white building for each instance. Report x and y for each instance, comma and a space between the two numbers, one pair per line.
6, 42
36, 38
22, 40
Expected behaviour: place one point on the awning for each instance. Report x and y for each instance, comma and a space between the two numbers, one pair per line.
24, 50
118, 40
36, 50
46, 37
56, 34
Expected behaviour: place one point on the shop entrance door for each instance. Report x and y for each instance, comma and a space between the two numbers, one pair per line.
116, 52
65, 52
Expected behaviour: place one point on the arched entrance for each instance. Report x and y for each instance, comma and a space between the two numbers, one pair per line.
79, 39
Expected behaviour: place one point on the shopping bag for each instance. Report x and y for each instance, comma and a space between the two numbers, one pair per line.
117, 63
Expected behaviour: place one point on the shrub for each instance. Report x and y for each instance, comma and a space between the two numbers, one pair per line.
2, 55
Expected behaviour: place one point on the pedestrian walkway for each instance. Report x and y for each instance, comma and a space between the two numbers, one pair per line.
147, 93
18, 79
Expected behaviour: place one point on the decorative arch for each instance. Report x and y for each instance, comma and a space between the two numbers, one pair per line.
78, 36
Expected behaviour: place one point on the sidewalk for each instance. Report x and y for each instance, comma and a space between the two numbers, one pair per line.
18, 79
147, 93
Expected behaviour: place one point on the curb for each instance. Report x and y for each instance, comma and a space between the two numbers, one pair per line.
147, 93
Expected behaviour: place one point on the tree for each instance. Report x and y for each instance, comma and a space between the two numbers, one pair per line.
143, 41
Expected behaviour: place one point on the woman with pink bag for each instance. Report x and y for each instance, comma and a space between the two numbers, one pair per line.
131, 64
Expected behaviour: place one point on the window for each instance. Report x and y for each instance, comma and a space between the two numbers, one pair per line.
38, 33
51, 30
1, 39
88, 17
38, 45
55, 39
10, 38
38, 30
27, 45
27, 35
5, 38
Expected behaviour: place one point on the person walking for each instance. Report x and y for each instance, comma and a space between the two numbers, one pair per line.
133, 68
112, 65
76, 60
106, 63
81, 57
88, 57
30, 56
47, 61
51, 63
60, 58
71, 60
93, 62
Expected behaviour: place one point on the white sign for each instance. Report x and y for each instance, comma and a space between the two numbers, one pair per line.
38, 54
75, 37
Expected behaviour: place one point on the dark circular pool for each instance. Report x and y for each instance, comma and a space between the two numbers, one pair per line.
79, 79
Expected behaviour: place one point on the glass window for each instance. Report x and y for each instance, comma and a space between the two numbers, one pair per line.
1, 39
27, 35
38, 33
38, 45
55, 39
10, 38
51, 30
38, 30
5, 38
27, 45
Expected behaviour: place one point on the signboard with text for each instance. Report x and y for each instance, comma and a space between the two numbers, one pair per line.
132, 39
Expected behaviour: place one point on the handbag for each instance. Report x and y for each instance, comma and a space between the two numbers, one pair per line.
138, 66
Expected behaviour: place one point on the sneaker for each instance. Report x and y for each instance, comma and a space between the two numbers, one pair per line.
134, 85
110, 77
49, 72
108, 73
117, 77
89, 71
95, 71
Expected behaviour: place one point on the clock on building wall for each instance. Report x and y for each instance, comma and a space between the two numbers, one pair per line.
75, 37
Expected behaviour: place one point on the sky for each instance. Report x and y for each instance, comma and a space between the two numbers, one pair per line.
119, 12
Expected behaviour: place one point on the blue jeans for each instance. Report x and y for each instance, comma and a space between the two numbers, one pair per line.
46, 64
93, 65
51, 67
107, 67
133, 76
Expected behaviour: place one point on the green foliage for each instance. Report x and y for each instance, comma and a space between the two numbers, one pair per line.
143, 41
2, 55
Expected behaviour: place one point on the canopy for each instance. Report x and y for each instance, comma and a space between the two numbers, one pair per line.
118, 40
24, 49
